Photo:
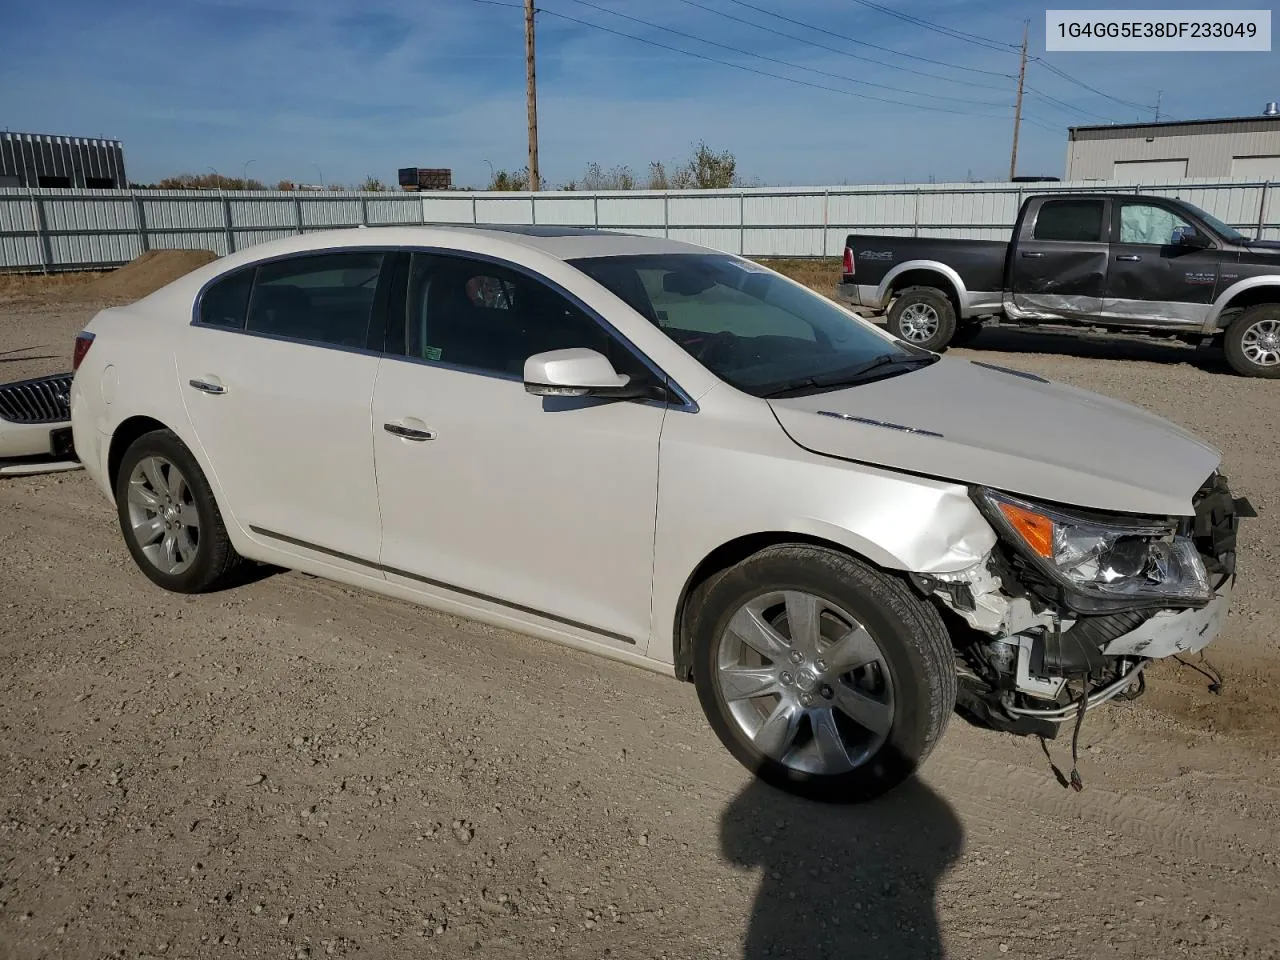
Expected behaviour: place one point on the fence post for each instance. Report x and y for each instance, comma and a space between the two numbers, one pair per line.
915, 219
297, 215
139, 215
475, 214
1262, 208
595, 209
666, 214
826, 221
226, 217
742, 224
364, 210
533, 208
42, 233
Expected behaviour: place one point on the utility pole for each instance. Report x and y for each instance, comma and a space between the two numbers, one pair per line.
1159, 94
1017, 110
531, 94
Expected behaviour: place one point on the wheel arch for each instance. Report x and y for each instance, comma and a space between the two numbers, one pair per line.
127, 431
728, 555
1241, 295
925, 273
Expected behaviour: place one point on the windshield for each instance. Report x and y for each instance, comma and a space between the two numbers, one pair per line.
1230, 234
747, 325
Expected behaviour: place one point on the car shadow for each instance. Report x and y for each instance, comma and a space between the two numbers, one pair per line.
1105, 347
856, 882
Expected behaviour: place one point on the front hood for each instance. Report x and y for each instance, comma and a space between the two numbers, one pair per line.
965, 421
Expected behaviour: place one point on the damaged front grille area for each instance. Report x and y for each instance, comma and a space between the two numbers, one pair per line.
39, 400
1215, 524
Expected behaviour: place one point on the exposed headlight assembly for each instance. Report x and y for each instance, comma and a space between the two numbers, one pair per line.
1101, 562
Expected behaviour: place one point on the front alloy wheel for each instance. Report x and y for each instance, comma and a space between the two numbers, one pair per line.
822, 675
1252, 341
805, 682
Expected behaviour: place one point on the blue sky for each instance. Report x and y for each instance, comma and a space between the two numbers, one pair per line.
303, 87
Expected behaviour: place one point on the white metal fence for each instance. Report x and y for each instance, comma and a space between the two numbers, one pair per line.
52, 229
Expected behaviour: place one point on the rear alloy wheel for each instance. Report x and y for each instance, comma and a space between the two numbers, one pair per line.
1252, 342
823, 676
924, 317
168, 516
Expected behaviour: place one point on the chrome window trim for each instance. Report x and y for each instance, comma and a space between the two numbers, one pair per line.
684, 401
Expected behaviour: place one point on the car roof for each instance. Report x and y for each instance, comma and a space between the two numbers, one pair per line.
502, 240
562, 242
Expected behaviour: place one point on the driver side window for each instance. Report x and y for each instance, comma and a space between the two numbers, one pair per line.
491, 319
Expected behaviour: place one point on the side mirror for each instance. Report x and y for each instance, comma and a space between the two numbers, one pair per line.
1194, 239
575, 372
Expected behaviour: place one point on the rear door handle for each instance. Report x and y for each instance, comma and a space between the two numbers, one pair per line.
1131, 257
1032, 254
408, 433
210, 385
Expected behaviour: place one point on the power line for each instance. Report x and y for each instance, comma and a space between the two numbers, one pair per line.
762, 73
938, 28
787, 63
1080, 83
865, 43
758, 72
843, 53
1063, 105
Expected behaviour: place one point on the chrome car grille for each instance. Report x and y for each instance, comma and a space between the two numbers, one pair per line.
39, 400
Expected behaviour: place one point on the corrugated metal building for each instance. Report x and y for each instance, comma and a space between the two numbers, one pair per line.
1242, 147
45, 160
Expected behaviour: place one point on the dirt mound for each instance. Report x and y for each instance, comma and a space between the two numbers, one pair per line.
148, 273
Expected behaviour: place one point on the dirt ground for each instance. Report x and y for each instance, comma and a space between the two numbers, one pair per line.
296, 769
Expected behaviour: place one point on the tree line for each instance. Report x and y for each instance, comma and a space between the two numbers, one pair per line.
705, 169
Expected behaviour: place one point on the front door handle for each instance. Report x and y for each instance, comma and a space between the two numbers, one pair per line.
209, 385
1032, 254
408, 433
1129, 257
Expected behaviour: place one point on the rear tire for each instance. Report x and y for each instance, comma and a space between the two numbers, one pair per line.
854, 686
170, 521
1252, 342
924, 317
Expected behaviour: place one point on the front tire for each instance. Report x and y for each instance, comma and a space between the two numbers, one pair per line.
170, 521
924, 317
1252, 342
821, 675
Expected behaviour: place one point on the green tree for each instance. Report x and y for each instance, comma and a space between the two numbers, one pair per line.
519, 180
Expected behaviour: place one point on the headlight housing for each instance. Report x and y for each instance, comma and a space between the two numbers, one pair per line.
1109, 562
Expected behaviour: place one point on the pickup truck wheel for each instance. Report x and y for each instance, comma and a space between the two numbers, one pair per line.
823, 676
924, 317
1252, 342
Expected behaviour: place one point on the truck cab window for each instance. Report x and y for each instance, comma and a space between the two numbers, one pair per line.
1070, 219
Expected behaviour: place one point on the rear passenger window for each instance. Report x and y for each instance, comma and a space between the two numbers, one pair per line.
1072, 220
327, 298
225, 302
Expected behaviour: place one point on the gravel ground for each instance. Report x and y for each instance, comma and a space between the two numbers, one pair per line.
296, 769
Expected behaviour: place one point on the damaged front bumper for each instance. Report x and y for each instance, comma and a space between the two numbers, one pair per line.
1030, 661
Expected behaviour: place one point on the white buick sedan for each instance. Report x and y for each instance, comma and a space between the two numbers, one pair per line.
670, 456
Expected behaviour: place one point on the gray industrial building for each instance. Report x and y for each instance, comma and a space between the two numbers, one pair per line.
45, 160
1246, 148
